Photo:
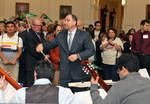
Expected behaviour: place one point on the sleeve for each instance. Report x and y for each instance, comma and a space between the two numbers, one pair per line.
104, 42
113, 96
2, 100
20, 42
88, 46
119, 42
0, 40
52, 44
133, 45
67, 97
19, 96
31, 48
96, 98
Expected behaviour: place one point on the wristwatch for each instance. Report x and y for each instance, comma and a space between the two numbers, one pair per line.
78, 56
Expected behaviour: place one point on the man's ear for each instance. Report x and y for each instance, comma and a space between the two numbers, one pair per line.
35, 74
124, 69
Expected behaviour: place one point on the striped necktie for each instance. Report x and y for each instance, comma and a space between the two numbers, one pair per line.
70, 40
39, 37
141, 42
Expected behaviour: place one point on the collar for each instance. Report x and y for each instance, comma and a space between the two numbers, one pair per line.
143, 32
130, 75
42, 81
73, 32
5, 35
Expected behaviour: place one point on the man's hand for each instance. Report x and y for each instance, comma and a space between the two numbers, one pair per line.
3, 83
39, 48
90, 61
73, 57
13, 62
47, 57
5, 62
93, 81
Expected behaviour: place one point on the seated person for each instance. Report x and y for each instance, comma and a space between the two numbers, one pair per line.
131, 89
42, 91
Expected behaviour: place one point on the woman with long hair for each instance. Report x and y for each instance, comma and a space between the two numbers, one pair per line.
54, 55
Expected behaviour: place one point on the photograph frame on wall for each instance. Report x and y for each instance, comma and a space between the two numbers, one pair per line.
148, 12
22, 7
64, 11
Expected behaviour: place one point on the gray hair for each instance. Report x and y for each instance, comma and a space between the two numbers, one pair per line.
34, 20
22, 24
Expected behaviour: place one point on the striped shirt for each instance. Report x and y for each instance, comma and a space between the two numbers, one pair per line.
9, 47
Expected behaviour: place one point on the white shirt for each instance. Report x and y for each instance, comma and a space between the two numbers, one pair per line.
65, 94
72, 36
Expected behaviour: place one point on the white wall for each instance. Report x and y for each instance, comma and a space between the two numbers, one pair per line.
81, 8
134, 13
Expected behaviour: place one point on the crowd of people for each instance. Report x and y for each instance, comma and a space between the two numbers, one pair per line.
22, 46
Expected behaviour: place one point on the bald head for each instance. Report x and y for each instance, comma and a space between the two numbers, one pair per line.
79, 25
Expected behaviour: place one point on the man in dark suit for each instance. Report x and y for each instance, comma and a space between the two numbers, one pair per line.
74, 46
32, 57
97, 31
22, 60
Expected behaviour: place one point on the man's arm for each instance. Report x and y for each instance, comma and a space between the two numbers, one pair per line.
113, 95
31, 48
5, 61
20, 45
89, 48
47, 45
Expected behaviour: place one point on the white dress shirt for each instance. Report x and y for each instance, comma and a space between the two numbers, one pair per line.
65, 94
72, 36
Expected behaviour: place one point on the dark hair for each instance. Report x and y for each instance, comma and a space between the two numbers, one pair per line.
129, 61
10, 22
55, 28
3, 22
22, 24
74, 18
143, 22
90, 25
43, 23
123, 31
131, 30
102, 35
96, 23
44, 69
113, 29
18, 19
123, 36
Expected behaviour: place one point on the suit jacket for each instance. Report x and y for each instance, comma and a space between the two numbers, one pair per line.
32, 57
81, 44
92, 33
22, 59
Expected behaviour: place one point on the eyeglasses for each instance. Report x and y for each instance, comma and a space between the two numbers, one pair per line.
37, 25
98, 25
118, 71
